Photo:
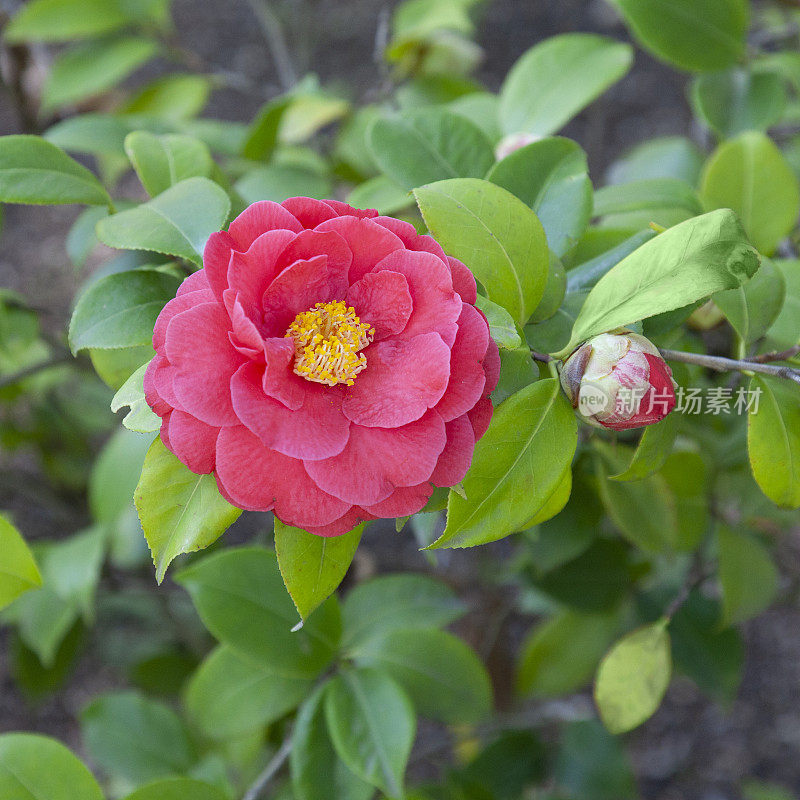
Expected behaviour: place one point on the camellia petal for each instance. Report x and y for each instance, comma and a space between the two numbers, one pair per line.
369, 243
192, 442
457, 454
382, 299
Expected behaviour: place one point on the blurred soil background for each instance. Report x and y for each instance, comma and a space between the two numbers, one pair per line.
691, 749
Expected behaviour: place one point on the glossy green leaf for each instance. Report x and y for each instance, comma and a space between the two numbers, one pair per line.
163, 161
241, 599
696, 35
428, 146
652, 450
115, 366
136, 739
750, 175
171, 98
785, 332
313, 566
372, 725
177, 222
377, 607
633, 677
101, 135
82, 239
34, 767
686, 263
262, 134
317, 771
560, 655
120, 310
37, 172
443, 677
178, 789
19, 572
555, 291
60, 20
501, 326
551, 176
557, 78
555, 503
517, 370
738, 100
653, 195
686, 475
663, 157
140, 417
495, 234
180, 511
94, 67
747, 574
381, 193
229, 696
517, 466
773, 439
278, 182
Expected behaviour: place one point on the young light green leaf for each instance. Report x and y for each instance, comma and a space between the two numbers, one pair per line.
178, 789
557, 78
690, 261
229, 696
773, 439
747, 574
652, 451
495, 234
34, 767
372, 725
443, 677
61, 20
120, 310
94, 67
37, 172
555, 503
140, 417
551, 176
313, 566
501, 326
177, 222
633, 677
163, 161
517, 466
241, 599
696, 35
316, 769
18, 573
172, 98
181, 512
431, 145
750, 175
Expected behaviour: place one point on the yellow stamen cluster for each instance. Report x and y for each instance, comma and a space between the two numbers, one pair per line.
327, 341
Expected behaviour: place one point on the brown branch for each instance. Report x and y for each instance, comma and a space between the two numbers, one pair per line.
721, 364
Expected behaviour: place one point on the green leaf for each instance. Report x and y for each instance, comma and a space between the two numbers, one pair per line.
262, 134
785, 332
653, 195
430, 145
241, 599
652, 451
663, 157
754, 306
94, 67
313, 566
495, 234
136, 739
738, 100
229, 696
120, 310
372, 725
561, 655
555, 290
279, 182
517, 370
517, 466
555, 503
557, 78
686, 475
501, 326
61, 20
394, 602
316, 769
172, 98
181, 512
34, 767
140, 417
633, 677
748, 576
178, 789
443, 677
177, 222
551, 176
115, 366
81, 239
750, 175
696, 35
163, 161
381, 193
773, 440
101, 135
694, 259
37, 172
19, 572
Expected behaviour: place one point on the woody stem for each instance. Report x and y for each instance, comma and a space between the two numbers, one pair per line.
732, 364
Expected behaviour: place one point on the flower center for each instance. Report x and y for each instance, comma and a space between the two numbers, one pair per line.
327, 340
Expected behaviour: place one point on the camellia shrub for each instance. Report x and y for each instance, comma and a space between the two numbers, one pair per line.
418, 308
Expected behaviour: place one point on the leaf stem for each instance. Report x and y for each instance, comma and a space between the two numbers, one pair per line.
273, 33
269, 772
543, 357
721, 364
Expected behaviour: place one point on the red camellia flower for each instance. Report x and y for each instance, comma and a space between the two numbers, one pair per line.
619, 380
327, 364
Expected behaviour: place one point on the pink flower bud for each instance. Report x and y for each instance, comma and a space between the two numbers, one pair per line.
513, 142
619, 381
